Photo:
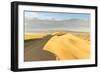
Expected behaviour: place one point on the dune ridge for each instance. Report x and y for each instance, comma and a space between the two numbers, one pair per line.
68, 46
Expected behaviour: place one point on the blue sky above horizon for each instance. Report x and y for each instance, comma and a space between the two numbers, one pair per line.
56, 15
72, 21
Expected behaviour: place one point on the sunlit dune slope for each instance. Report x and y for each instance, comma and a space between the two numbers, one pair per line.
58, 33
68, 46
37, 35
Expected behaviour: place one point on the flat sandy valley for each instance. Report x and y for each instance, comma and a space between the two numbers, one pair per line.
38, 46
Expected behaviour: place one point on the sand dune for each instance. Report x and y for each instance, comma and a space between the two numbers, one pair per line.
29, 36
68, 46
37, 35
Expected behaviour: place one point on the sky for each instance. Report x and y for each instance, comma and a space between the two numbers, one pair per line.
56, 21
56, 15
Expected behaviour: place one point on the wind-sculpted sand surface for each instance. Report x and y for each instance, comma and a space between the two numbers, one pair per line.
68, 46
44, 46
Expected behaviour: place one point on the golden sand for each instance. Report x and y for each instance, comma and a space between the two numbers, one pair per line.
28, 36
68, 46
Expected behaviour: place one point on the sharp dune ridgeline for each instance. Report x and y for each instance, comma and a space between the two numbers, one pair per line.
61, 45
68, 46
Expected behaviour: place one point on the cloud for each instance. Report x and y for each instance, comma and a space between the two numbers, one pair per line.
30, 15
45, 25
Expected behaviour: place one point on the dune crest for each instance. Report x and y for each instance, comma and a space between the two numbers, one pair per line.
68, 46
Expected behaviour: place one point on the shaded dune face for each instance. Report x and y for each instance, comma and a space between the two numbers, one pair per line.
33, 50
68, 47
